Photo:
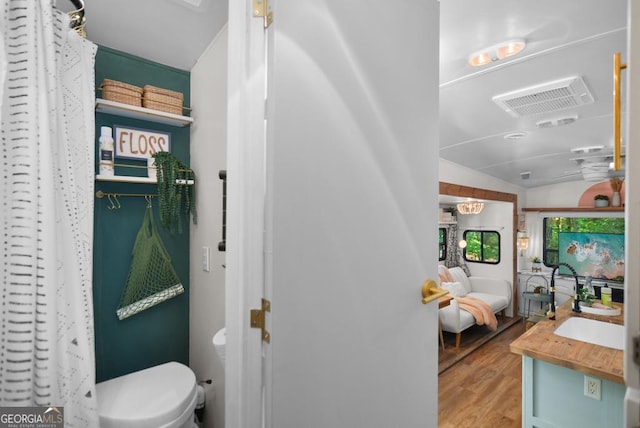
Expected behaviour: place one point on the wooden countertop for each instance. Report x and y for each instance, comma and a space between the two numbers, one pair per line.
541, 343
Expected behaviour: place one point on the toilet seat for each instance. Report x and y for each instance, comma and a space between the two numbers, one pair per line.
162, 396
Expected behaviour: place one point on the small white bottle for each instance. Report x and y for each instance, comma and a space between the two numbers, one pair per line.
106, 151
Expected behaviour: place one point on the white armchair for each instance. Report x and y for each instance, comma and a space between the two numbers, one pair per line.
496, 293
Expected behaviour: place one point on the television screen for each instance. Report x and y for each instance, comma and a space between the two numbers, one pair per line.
599, 255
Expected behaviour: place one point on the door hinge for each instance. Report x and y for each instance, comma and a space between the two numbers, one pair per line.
636, 350
261, 10
258, 319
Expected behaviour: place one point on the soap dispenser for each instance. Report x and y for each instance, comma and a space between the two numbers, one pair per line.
605, 295
106, 151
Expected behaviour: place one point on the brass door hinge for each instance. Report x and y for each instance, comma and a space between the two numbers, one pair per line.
261, 10
258, 319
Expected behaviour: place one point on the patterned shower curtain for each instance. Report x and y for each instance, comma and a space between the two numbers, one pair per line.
47, 135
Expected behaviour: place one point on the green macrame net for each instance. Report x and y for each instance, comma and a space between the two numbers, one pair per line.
151, 278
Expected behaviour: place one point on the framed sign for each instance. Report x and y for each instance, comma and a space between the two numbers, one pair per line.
522, 223
135, 143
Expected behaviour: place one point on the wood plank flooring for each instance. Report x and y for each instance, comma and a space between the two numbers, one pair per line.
483, 389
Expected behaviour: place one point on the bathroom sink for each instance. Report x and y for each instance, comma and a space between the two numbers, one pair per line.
599, 311
592, 331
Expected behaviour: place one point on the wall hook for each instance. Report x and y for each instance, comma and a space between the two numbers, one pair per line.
111, 204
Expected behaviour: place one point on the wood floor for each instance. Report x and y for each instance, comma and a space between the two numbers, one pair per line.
483, 389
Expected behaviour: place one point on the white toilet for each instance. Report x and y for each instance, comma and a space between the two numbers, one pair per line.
163, 396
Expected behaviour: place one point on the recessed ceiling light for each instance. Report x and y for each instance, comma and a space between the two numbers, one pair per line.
496, 52
515, 135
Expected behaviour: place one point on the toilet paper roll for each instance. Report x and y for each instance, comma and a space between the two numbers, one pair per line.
201, 397
219, 343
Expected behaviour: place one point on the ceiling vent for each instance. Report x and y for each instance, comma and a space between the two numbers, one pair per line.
550, 123
587, 150
546, 97
525, 175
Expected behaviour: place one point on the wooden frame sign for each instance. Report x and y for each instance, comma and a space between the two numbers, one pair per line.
135, 143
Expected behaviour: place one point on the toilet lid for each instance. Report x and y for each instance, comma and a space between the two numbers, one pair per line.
150, 398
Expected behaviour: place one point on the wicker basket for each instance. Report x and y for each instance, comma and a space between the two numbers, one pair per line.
162, 99
113, 90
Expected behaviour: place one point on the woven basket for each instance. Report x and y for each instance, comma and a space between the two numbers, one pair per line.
113, 90
162, 99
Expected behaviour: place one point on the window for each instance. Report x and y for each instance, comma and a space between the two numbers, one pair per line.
554, 225
442, 244
483, 246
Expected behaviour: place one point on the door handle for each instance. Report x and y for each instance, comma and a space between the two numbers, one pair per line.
431, 292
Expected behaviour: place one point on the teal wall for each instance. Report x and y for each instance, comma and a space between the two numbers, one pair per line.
161, 333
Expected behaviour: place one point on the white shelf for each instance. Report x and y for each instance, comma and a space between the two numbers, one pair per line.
141, 113
141, 180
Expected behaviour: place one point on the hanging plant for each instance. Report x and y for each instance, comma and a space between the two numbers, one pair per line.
174, 199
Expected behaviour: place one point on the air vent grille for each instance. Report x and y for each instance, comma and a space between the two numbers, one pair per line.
547, 97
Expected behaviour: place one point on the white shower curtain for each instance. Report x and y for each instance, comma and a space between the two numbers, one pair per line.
47, 156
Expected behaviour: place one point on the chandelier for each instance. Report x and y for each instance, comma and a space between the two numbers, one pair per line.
470, 207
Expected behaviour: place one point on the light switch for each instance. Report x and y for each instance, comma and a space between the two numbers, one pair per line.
206, 259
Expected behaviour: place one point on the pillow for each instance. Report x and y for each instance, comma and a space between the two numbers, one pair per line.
456, 289
459, 276
444, 275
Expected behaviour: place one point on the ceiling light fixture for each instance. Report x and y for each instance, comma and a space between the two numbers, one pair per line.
470, 207
496, 52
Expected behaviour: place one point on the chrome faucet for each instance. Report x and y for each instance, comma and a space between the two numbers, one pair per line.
552, 291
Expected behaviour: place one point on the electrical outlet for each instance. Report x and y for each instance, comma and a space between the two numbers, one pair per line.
592, 387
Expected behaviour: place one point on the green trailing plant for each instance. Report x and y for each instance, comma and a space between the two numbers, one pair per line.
585, 296
538, 289
174, 200
536, 259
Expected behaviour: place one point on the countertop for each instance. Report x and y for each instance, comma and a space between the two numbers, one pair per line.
539, 342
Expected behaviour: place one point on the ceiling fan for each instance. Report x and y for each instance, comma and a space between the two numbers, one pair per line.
597, 167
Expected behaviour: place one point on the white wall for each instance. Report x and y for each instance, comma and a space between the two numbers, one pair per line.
208, 156
556, 195
457, 174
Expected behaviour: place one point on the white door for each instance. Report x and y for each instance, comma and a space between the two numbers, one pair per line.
350, 202
632, 213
